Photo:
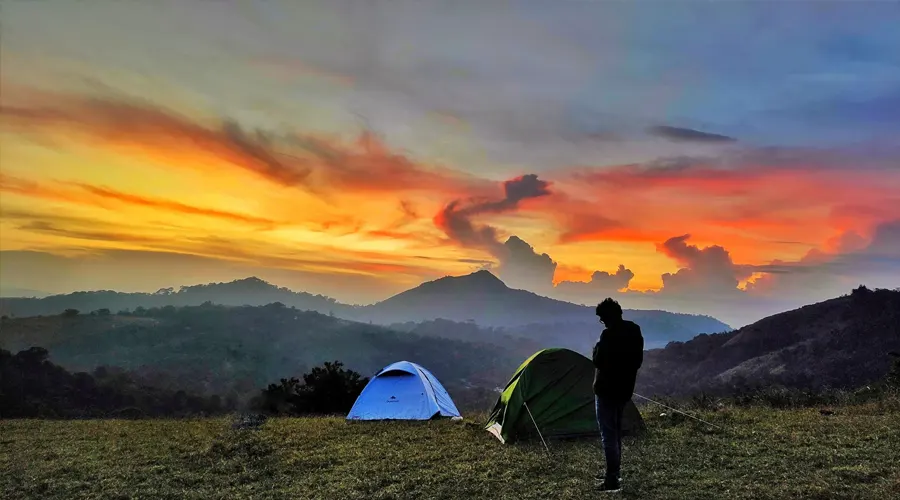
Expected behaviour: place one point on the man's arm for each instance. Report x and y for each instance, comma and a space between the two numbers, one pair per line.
639, 345
599, 349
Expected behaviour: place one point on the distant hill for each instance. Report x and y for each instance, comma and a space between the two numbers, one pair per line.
249, 291
842, 342
33, 387
471, 332
219, 349
484, 299
479, 297
22, 292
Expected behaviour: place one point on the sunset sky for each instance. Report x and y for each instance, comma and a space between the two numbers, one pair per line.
732, 159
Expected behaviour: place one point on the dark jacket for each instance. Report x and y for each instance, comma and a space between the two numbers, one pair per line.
617, 357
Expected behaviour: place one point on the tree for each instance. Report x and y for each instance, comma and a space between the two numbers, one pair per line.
331, 389
33, 386
893, 377
279, 398
33, 356
70, 313
326, 390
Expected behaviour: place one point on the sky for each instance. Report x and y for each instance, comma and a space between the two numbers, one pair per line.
734, 159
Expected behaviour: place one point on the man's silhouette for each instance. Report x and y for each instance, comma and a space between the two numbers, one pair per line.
617, 357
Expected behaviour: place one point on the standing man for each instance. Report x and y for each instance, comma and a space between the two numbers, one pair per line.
617, 357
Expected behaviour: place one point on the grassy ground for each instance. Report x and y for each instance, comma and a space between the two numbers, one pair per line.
764, 454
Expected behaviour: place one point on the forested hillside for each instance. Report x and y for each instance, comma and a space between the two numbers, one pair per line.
498, 312
842, 342
249, 291
227, 350
31, 386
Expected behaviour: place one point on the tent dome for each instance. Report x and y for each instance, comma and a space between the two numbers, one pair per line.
556, 387
403, 391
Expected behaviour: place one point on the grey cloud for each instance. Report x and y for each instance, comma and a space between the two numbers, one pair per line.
601, 283
881, 255
687, 134
137, 121
455, 223
454, 218
522, 267
707, 270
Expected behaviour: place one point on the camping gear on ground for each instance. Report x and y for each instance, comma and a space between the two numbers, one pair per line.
551, 395
403, 391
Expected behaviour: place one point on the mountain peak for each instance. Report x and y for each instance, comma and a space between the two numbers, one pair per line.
249, 284
478, 282
483, 274
252, 280
482, 280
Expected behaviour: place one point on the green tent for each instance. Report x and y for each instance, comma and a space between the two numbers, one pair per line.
556, 386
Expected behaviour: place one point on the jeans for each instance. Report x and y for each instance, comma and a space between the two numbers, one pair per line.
609, 418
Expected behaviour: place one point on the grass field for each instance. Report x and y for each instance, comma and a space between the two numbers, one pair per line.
764, 453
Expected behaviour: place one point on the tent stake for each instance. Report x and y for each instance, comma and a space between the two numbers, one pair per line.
536, 426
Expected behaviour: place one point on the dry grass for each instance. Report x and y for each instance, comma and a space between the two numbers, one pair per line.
764, 454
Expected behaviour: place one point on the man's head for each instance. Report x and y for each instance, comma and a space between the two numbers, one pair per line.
609, 311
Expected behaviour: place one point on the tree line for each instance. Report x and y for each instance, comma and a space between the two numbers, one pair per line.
32, 386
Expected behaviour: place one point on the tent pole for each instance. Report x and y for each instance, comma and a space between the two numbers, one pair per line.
536, 426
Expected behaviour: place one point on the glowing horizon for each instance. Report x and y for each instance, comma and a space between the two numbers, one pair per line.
356, 153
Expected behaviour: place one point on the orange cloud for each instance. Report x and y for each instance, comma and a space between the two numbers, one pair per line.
276, 255
288, 159
755, 210
133, 124
571, 273
250, 248
759, 211
173, 206
118, 236
92, 195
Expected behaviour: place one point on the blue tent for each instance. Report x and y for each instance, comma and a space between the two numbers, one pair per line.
403, 391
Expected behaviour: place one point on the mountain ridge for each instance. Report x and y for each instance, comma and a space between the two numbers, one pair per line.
222, 349
843, 341
479, 297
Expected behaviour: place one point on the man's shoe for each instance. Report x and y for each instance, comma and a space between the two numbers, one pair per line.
611, 486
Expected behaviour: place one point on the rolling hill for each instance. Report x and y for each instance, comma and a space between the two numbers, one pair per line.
483, 298
842, 342
22, 293
249, 291
221, 349
479, 297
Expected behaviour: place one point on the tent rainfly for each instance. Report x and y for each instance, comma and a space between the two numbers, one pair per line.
552, 391
403, 391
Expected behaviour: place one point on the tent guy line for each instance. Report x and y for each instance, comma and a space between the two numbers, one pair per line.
679, 411
525, 404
